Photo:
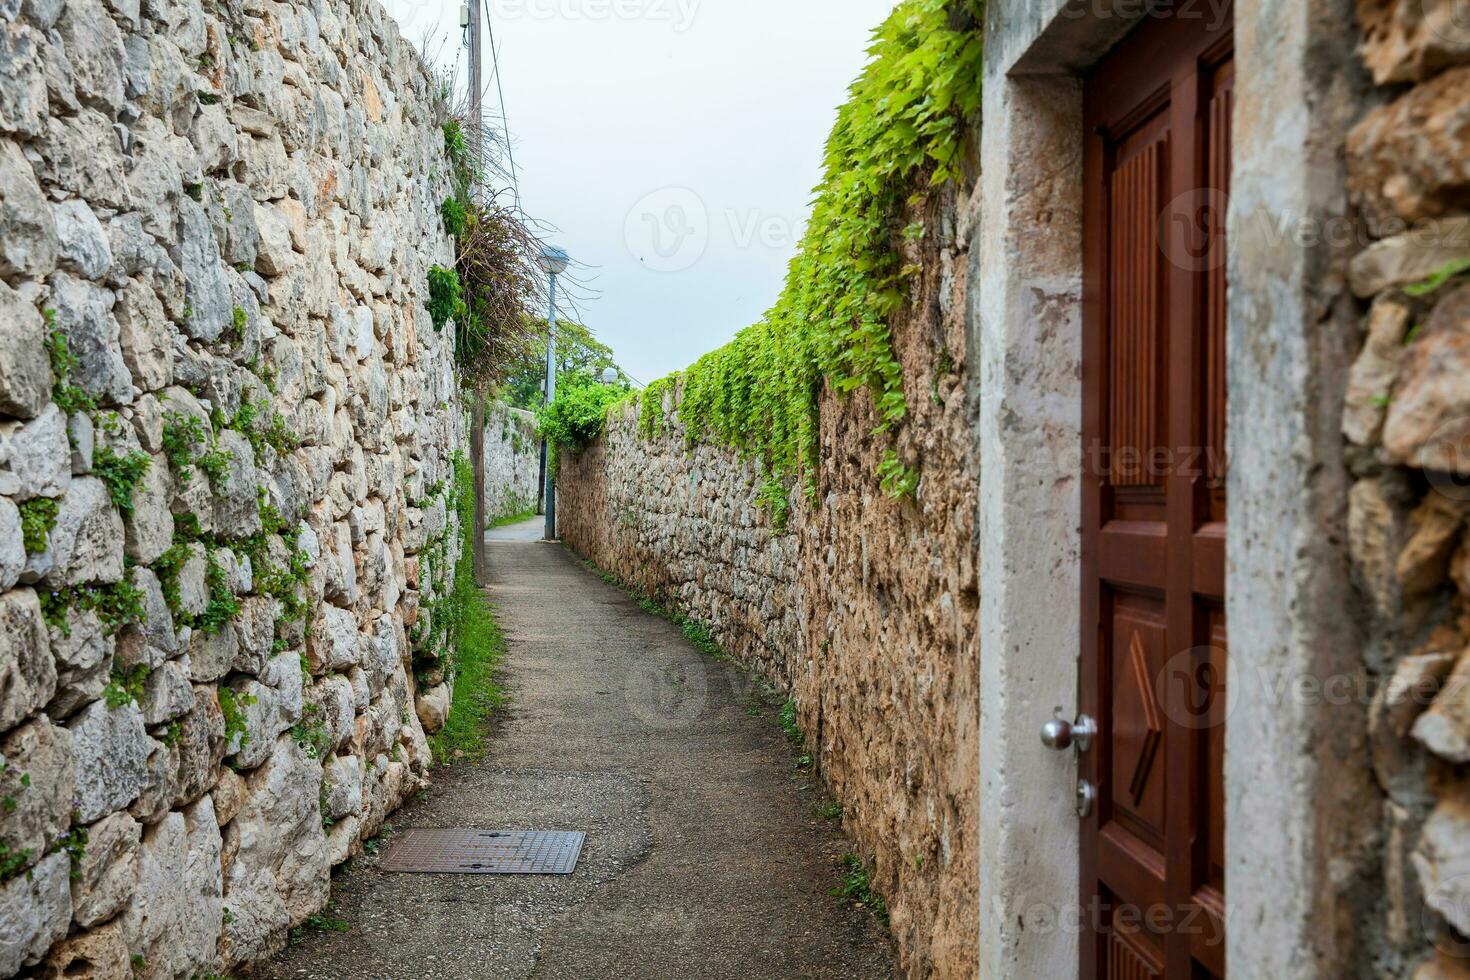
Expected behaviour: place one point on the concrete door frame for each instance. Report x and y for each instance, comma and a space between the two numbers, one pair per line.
1287, 845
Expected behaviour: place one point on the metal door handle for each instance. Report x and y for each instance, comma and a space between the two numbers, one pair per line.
1062, 735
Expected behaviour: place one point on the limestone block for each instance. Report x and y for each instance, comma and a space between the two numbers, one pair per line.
146, 336
342, 786
27, 226
279, 874
212, 654
332, 699
236, 507
27, 672
336, 643
82, 432
35, 457
83, 654
255, 633
94, 50
1372, 378
86, 545
1410, 160
35, 910
111, 750
38, 779
84, 317
206, 286
25, 367
1416, 682
150, 527
432, 708
269, 707
108, 871
1409, 257
12, 544
157, 624
174, 919
274, 255
1429, 419
152, 803
229, 796
82, 154
1410, 40
1424, 564
82, 245
22, 80
167, 693
101, 954
200, 748
193, 590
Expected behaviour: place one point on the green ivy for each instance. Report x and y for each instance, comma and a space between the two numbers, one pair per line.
232, 707
181, 433
37, 519
900, 130
222, 606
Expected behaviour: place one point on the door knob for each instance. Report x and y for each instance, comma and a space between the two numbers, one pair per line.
1062, 735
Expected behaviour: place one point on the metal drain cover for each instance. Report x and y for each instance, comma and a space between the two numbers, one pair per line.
484, 852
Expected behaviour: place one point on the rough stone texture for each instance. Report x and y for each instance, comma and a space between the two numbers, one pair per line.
848, 610
1407, 415
35, 909
192, 190
512, 462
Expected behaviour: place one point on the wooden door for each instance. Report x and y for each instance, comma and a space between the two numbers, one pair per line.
1157, 118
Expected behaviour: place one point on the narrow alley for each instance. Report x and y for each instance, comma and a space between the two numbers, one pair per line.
706, 855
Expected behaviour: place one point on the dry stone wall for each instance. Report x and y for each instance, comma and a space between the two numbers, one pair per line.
863, 609
1407, 426
226, 428
512, 462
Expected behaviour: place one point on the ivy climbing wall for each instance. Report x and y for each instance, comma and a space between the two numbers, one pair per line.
227, 431
861, 606
512, 462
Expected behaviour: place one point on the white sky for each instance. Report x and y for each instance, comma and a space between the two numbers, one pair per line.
672, 144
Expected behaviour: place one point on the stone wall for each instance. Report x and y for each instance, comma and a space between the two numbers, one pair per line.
512, 462
863, 609
1407, 426
226, 425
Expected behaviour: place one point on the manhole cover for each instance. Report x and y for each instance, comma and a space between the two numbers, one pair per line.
484, 852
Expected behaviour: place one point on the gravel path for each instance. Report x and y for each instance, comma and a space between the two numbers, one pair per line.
704, 858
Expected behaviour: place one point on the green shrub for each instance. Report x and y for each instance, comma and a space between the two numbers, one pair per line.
456, 217
577, 414
446, 298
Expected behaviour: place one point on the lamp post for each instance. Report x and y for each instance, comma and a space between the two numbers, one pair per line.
553, 262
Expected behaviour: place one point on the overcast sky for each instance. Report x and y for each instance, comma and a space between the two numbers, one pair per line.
672, 144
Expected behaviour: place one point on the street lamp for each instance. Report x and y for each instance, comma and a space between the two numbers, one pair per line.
553, 262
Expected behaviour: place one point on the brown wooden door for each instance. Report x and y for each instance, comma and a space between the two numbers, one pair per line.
1157, 122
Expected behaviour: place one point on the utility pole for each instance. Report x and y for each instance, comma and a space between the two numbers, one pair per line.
469, 17
553, 262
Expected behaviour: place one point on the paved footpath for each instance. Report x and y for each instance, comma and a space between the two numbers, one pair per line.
704, 858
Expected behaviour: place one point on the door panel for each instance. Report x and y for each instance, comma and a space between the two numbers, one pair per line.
1154, 631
